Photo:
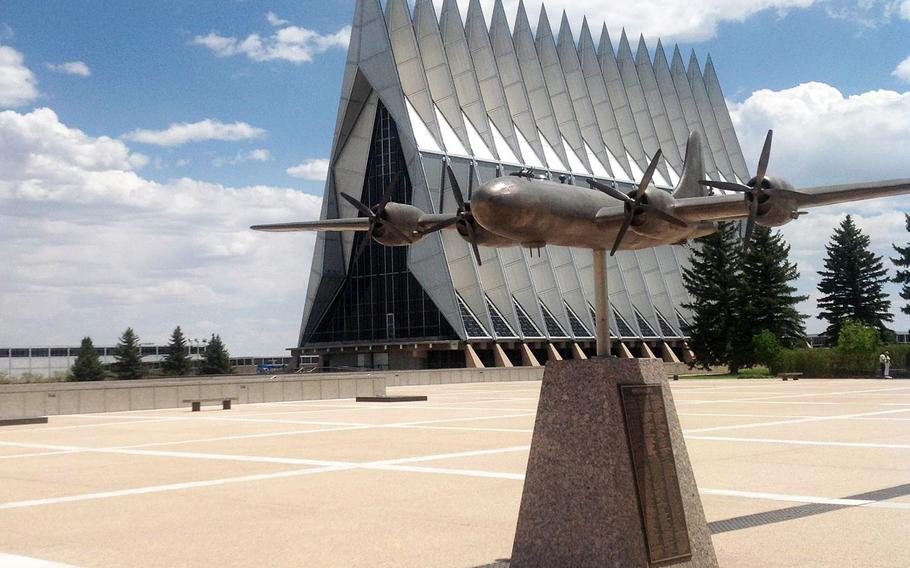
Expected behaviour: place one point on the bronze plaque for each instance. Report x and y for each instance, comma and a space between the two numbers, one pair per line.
660, 501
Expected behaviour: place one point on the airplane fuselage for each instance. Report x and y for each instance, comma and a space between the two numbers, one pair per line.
535, 212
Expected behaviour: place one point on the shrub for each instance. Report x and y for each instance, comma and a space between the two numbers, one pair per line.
857, 348
766, 346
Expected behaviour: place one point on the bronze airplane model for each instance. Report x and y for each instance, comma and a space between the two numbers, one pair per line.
528, 210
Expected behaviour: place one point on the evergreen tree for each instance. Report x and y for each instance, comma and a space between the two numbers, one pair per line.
852, 283
177, 362
712, 282
903, 262
768, 299
128, 358
87, 366
217, 361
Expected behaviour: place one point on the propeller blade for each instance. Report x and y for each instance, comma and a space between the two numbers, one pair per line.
667, 217
726, 185
763, 160
610, 190
441, 226
470, 230
364, 243
750, 223
646, 181
387, 193
476, 253
456, 190
360, 206
622, 233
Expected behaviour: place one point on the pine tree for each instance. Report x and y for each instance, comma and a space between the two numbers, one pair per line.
768, 299
852, 283
903, 261
128, 357
217, 361
177, 362
87, 366
712, 284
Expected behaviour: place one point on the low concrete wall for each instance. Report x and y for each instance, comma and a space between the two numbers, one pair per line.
49, 399
449, 376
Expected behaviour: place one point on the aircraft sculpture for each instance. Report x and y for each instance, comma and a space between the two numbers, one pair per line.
528, 210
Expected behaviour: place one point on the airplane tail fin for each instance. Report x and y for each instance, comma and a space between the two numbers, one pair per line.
693, 170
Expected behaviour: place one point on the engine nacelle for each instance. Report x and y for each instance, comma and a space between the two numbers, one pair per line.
484, 237
647, 224
405, 218
774, 208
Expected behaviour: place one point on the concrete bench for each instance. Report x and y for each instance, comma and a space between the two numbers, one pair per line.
197, 402
786, 376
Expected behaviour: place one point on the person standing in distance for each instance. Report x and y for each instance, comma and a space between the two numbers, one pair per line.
887, 369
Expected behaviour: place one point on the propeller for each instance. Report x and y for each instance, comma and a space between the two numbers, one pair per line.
752, 193
636, 203
374, 214
463, 215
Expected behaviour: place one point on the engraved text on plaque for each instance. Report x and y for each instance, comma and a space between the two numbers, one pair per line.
660, 501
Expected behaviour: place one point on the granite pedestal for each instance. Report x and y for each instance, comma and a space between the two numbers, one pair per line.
609, 482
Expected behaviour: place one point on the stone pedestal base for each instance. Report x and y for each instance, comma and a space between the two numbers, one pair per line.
609, 481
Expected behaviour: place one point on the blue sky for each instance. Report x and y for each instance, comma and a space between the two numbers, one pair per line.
823, 74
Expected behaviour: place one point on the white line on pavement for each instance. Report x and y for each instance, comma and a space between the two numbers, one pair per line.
793, 421
800, 442
805, 499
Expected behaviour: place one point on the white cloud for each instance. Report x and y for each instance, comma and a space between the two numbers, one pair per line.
208, 129
275, 20
822, 137
18, 85
694, 20
93, 247
902, 71
289, 43
257, 155
904, 10
314, 170
78, 68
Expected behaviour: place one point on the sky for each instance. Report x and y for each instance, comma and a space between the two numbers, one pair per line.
139, 140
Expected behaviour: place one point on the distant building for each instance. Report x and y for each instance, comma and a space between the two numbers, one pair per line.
821, 340
419, 93
47, 362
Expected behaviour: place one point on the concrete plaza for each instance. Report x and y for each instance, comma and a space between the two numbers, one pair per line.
807, 473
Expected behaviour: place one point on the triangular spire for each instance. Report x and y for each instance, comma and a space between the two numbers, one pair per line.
677, 65
514, 87
461, 66
439, 78
488, 78
693, 65
727, 131
605, 43
624, 53
603, 107
670, 145
404, 48
538, 91
709, 119
640, 110
642, 55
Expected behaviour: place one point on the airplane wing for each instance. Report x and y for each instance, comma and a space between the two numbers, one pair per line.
832, 194
425, 222
355, 224
733, 206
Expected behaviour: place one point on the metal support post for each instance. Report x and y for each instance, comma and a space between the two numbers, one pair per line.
602, 301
